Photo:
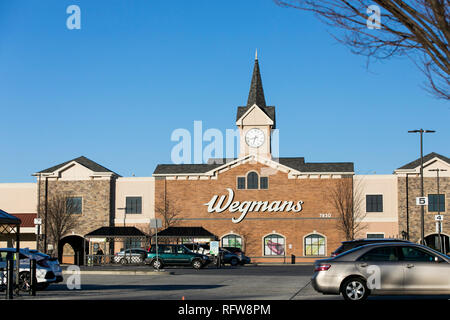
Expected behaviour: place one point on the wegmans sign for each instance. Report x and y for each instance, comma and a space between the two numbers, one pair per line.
224, 202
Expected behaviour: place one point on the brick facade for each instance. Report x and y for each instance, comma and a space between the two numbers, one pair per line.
190, 195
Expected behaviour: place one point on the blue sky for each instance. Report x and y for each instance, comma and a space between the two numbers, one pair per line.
115, 90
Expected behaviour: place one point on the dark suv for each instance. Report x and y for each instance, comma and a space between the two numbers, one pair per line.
175, 255
348, 245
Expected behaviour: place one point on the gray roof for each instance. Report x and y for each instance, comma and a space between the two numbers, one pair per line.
297, 163
256, 93
428, 157
116, 232
94, 166
196, 232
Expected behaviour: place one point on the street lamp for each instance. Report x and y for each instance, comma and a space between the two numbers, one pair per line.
439, 206
422, 216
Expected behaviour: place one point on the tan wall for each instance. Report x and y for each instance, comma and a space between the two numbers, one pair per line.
135, 187
189, 197
385, 222
18, 197
255, 119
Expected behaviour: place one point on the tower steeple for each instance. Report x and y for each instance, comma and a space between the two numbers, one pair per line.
256, 94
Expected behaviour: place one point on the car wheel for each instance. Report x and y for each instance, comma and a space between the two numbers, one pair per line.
355, 289
234, 262
123, 261
157, 264
24, 281
197, 264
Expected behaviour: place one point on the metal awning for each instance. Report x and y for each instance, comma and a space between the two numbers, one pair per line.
116, 232
6, 218
180, 233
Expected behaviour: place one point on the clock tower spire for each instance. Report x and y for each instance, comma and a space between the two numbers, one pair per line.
256, 94
256, 120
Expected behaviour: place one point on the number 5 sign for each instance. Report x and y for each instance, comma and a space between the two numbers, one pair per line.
421, 201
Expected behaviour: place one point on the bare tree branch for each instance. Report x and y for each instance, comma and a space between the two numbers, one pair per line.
61, 217
418, 29
169, 213
346, 196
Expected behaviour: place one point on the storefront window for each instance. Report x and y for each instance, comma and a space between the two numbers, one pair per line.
315, 245
274, 245
433, 200
133, 205
264, 183
252, 180
232, 240
241, 182
74, 205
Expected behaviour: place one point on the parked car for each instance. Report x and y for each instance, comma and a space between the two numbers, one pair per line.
243, 259
233, 258
44, 273
133, 255
53, 263
383, 269
348, 245
175, 255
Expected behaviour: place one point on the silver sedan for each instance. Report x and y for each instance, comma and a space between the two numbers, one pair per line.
384, 269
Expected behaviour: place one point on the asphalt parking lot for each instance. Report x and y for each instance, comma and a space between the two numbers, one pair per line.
287, 282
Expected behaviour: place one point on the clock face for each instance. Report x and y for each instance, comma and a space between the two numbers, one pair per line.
254, 137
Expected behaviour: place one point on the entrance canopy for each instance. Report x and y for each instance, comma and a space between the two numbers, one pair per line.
9, 224
116, 232
185, 235
7, 219
111, 240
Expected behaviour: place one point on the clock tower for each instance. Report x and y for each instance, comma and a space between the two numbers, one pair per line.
255, 120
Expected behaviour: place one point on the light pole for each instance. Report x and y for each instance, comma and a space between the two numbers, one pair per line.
422, 216
439, 206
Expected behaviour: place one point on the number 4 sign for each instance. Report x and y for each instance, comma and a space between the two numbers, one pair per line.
421, 201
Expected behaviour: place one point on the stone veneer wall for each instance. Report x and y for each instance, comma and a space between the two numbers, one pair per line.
98, 201
430, 187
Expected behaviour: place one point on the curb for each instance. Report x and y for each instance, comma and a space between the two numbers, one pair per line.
124, 273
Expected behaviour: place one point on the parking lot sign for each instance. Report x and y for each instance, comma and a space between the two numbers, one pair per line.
155, 223
421, 201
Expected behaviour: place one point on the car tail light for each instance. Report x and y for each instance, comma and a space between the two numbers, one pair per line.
322, 267
43, 263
